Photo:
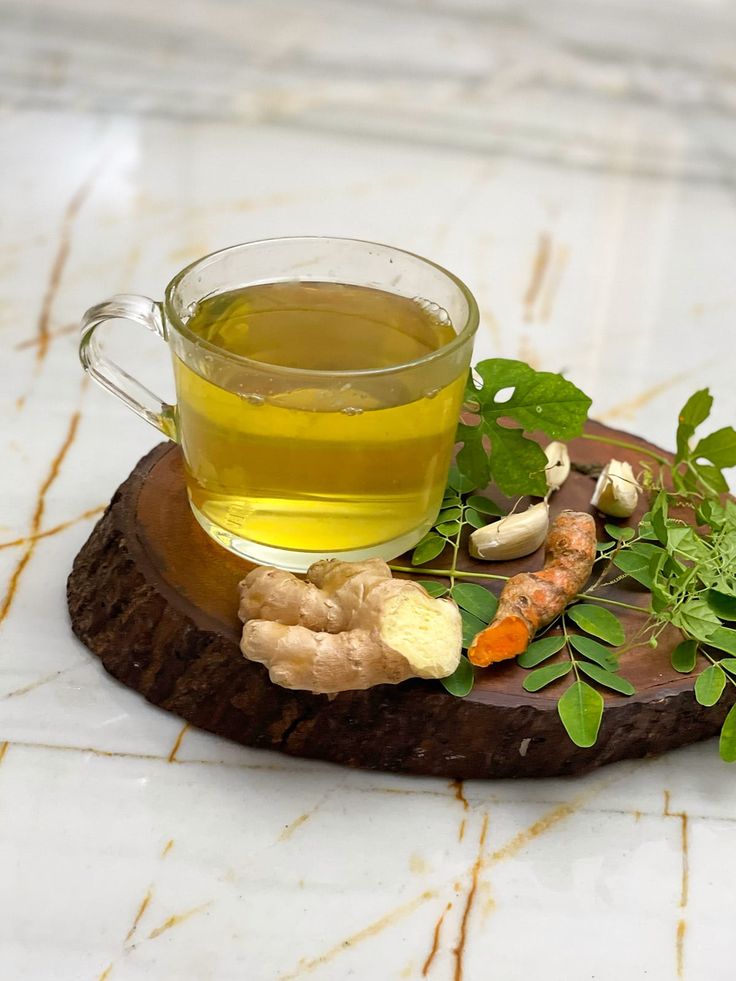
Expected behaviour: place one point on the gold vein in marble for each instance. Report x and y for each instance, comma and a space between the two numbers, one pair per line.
175, 920
552, 285
458, 787
50, 335
35, 684
538, 272
680, 948
3, 750
71, 213
458, 950
306, 966
435, 941
53, 473
296, 823
177, 743
682, 817
535, 830
527, 352
167, 847
630, 407
139, 914
55, 530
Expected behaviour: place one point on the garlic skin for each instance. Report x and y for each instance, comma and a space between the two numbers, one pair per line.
617, 491
558, 465
512, 537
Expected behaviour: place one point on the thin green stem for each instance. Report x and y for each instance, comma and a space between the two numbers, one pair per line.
456, 545
460, 574
569, 650
661, 460
610, 602
447, 573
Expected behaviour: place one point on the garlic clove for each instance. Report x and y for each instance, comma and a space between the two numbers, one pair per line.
617, 490
558, 465
512, 537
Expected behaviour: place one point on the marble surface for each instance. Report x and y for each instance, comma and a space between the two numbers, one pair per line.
573, 162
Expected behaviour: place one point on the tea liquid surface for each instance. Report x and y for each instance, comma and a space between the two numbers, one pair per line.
311, 465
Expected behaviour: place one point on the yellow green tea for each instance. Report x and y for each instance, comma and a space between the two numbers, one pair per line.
308, 465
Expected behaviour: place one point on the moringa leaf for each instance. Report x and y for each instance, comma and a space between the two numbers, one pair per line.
684, 657
433, 587
484, 506
475, 599
604, 547
540, 650
474, 519
581, 709
727, 742
449, 528
709, 685
620, 532
594, 651
597, 621
728, 664
607, 678
462, 679
472, 626
536, 680
429, 548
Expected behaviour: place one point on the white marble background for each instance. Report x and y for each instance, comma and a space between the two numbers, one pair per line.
572, 161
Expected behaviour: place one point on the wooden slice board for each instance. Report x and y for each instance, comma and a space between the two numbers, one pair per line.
157, 601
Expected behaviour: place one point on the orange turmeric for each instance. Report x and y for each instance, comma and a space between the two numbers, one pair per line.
532, 600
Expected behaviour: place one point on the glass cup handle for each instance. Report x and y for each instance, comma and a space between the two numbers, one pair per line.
139, 310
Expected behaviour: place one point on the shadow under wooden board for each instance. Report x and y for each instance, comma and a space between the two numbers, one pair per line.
156, 600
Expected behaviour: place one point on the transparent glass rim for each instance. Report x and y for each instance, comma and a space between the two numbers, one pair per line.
467, 331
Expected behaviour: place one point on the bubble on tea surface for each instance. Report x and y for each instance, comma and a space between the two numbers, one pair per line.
432, 393
435, 311
352, 410
253, 397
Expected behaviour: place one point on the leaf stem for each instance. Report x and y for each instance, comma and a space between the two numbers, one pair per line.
610, 602
456, 543
447, 573
663, 461
569, 650
460, 574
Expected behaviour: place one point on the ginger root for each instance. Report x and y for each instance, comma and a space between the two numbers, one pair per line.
531, 600
350, 625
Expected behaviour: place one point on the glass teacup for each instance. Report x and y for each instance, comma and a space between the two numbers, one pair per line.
332, 450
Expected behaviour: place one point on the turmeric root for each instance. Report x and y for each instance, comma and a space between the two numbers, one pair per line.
350, 625
531, 600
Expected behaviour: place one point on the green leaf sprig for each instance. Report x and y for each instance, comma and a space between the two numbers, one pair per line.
580, 706
690, 571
